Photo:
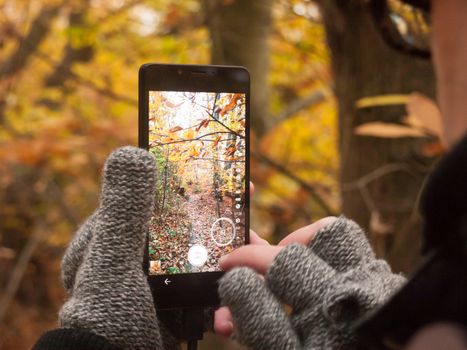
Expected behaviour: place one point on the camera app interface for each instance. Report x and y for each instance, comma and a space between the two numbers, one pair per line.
198, 140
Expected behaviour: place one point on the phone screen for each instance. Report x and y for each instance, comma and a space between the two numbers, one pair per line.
198, 141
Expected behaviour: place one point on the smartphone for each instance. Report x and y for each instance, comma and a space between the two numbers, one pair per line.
195, 121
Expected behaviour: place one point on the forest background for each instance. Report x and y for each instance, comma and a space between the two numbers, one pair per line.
337, 125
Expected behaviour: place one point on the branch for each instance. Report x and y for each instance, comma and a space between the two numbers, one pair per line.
309, 188
376, 174
199, 138
27, 253
225, 126
211, 114
220, 160
299, 104
30, 42
20, 267
88, 83
72, 53
218, 121
28, 45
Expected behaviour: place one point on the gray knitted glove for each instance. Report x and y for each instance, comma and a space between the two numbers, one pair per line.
102, 268
329, 284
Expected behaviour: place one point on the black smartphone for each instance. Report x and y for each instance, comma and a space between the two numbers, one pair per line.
195, 121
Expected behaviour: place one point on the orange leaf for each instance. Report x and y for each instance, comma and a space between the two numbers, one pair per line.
167, 139
203, 124
216, 141
231, 105
172, 105
433, 149
176, 128
424, 114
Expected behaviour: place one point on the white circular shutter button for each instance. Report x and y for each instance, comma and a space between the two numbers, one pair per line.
197, 255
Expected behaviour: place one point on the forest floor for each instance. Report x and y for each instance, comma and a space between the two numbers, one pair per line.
173, 234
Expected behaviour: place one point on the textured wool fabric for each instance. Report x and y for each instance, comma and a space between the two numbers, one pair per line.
102, 268
329, 285
72, 339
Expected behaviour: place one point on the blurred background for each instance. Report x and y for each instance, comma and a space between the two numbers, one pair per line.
340, 124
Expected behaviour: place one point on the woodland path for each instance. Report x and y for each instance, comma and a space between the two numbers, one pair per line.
200, 209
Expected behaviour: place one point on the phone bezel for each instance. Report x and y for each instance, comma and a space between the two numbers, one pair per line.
190, 289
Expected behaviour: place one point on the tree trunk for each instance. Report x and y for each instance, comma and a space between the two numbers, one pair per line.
239, 31
364, 66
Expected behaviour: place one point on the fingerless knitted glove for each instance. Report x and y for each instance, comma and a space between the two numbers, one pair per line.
329, 284
102, 268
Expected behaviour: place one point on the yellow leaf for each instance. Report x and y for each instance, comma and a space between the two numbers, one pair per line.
189, 134
388, 130
194, 152
382, 100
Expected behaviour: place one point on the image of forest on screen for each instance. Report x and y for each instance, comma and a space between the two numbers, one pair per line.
198, 140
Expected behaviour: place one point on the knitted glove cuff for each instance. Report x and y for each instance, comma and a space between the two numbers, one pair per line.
73, 339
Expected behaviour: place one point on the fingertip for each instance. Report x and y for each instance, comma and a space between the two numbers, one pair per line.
224, 329
256, 239
305, 234
222, 261
256, 257
223, 324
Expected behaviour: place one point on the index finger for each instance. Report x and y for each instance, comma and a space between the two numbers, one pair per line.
305, 234
257, 257
256, 239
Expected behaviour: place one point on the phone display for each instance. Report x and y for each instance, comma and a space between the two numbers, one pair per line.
198, 140
194, 119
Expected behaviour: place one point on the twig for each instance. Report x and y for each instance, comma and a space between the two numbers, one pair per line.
57, 195
309, 188
20, 267
199, 138
41, 228
88, 83
376, 174
211, 114
299, 104
220, 160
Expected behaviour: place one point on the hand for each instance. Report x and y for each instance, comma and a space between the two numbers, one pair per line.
222, 317
260, 258
102, 267
329, 284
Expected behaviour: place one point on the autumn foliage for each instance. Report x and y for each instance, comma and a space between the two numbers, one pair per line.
199, 143
68, 96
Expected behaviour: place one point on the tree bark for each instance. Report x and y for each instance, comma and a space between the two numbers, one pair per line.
239, 31
28, 46
364, 66
74, 52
